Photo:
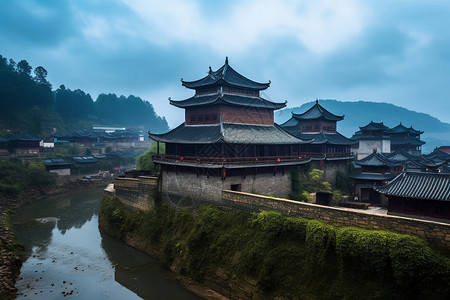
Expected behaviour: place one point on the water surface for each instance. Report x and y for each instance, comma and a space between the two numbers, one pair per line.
68, 257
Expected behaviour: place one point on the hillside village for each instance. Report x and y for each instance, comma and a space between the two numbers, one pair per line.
229, 136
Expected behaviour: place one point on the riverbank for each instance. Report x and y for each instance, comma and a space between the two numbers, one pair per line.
267, 255
11, 252
11, 256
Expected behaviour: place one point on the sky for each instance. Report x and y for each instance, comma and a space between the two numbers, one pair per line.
349, 50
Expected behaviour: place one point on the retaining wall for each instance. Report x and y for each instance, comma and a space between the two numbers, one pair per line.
434, 232
135, 192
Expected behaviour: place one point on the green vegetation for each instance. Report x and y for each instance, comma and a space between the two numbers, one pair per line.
144, 161
29, 104
312, 182
288, 257
17, 177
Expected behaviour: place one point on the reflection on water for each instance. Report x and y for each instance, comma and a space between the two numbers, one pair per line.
67, 256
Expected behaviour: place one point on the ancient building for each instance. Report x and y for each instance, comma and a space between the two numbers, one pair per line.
228, 141
386, 140
319, 124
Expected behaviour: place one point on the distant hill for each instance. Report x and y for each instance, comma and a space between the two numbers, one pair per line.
436, 133
30, 105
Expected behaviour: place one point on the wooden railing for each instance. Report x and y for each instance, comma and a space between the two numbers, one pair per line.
247, 160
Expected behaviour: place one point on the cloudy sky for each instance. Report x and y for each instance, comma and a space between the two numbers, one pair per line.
384, 51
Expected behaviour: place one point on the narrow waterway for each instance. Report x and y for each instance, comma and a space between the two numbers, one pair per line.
68, 257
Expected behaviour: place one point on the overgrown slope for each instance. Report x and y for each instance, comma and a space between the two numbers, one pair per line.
284, 256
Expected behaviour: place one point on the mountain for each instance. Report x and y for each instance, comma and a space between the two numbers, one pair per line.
436, 133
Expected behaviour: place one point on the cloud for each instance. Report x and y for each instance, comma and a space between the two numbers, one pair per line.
349, 50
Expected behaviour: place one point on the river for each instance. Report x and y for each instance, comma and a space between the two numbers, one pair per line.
68, 257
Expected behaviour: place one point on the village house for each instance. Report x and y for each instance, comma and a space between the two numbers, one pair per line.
23, 144
419, 194
386, 140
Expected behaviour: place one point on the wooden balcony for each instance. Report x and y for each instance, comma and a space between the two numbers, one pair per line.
262, 160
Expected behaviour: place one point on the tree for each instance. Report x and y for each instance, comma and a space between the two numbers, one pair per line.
24, 67
40, 76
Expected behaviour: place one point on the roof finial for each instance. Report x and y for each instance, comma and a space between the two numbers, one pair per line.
210, 70
226, 60
317, 101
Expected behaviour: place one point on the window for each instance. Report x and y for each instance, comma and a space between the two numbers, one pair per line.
193, 119
236, 187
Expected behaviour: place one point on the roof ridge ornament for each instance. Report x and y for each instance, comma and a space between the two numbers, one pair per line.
210, 70
226, 60
317, 101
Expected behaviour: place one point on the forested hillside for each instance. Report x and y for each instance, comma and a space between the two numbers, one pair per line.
29, 104
436, 133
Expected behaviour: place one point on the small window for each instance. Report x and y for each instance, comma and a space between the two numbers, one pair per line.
236, 187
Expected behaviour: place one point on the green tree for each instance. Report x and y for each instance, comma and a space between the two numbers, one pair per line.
145, 161
24, 67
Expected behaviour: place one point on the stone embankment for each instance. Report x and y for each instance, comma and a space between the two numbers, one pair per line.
10, 260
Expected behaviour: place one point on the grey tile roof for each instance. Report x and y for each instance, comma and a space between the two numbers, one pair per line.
231, 133
25, 137
225, 75
400, 156
56, 162
400, 128
374, 126
377, 159
414, 142
326, 138
230, 99
373, 176
420, 185
317, 111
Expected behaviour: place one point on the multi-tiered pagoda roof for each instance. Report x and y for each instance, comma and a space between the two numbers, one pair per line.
319, 124
227, 109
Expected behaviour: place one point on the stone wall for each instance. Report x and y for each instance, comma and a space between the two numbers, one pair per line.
435, 232
331, 167
135, 192
186, 188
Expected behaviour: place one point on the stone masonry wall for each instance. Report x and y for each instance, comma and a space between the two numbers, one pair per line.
434, 232
134, 192
188, 189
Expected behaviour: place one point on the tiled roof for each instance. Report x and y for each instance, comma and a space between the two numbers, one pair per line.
373, 126
420, 185
230, 133
377, 159
437, 154
400, 128
373, 176
325, 138
25, 137
85, 159
400, 156
56, 162
413, 142
225, 75
317, 111
238, 100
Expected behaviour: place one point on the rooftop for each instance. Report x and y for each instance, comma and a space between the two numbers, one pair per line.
231, 99
419, 185
315, 112
228, 133
225, 75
